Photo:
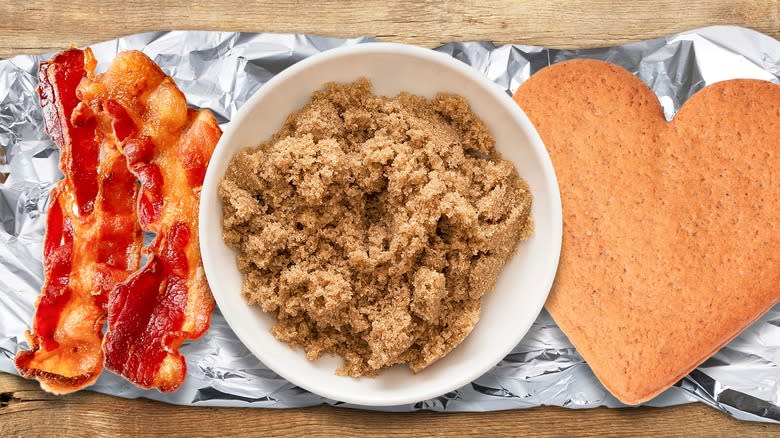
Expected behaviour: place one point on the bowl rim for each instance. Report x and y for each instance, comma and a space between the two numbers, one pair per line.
550, 182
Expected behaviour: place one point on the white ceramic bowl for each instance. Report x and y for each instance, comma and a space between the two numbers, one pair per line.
522, 287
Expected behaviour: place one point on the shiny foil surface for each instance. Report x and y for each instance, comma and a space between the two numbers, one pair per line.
221, 70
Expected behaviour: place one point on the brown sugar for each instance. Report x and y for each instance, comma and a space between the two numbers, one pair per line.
371, 227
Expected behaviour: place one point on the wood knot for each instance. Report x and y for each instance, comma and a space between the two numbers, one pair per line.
6, 398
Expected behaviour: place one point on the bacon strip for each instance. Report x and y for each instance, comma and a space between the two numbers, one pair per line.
167, 146
92, 239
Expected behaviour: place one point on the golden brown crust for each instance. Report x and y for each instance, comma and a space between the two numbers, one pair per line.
671, 230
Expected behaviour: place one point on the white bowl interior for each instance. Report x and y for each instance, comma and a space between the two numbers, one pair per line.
522, 288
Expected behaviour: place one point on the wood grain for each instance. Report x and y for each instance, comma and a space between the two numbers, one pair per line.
44, 26
35, 26
27, 411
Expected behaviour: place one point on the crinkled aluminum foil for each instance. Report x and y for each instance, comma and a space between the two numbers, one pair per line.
220, 70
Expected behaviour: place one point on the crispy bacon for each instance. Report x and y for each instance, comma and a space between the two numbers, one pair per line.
167, 147
92, 239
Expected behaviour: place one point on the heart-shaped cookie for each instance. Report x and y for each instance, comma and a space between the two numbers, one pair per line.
671, 240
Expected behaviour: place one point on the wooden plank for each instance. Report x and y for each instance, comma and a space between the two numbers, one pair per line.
44, 26
27, 411
30, 27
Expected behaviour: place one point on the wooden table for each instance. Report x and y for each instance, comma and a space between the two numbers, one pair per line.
32, 27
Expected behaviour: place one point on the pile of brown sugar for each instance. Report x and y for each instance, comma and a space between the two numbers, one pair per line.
371, 227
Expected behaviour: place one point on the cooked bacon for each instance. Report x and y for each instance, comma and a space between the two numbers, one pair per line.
167, 147
92, 239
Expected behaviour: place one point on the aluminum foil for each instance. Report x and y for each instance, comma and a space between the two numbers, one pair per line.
220, 70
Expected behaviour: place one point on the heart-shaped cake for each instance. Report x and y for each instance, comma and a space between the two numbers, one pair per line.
671, 242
